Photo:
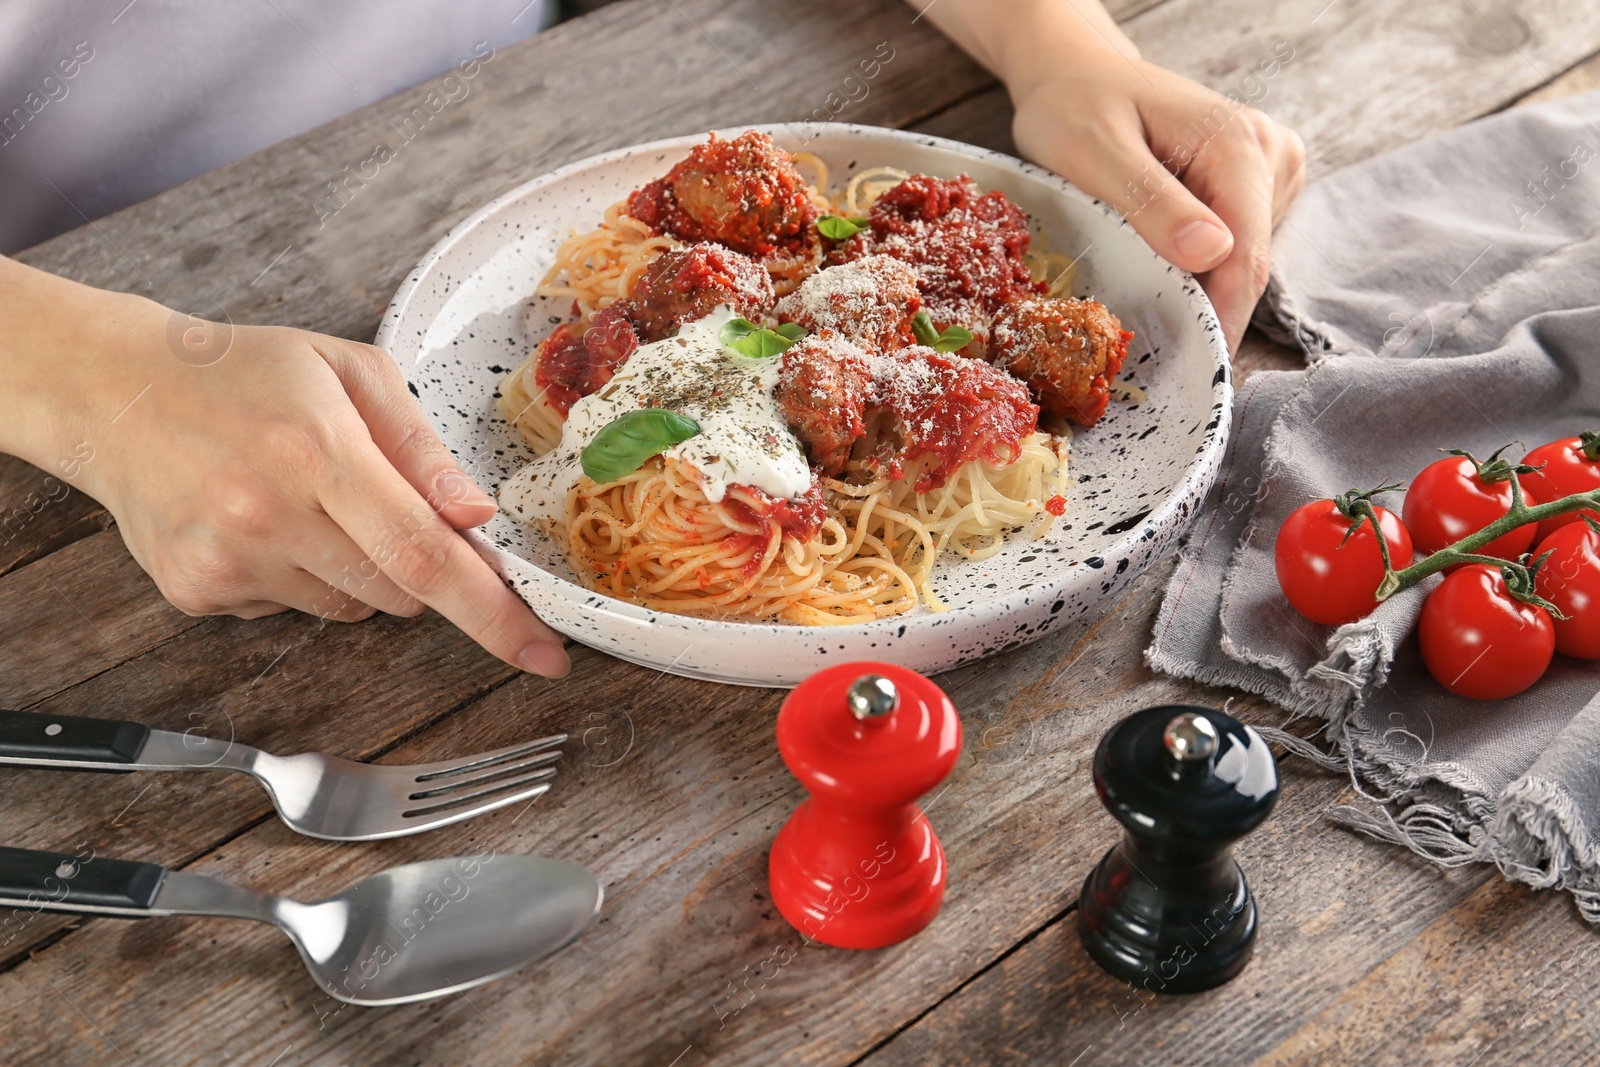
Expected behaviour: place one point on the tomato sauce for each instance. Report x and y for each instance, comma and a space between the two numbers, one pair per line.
562, 360
798, 519
707, 266
969, 250
653, 206
571, 366
973, 410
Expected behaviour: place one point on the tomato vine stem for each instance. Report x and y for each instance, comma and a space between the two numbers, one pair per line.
1356, 505
1518, 575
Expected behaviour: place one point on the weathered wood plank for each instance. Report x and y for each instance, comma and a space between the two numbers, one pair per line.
1581, 78
983, 119
1481, 969
75, 613
206, 245
1320, 892
928, 72
677, 828
1461, 59
1528, 997
1369, 75
47, 653
1533, 984
40, 513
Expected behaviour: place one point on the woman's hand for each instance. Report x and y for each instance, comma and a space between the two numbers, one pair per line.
1201, 177
252, 469
1121, 128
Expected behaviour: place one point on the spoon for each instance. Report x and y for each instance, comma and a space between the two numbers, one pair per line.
408, 933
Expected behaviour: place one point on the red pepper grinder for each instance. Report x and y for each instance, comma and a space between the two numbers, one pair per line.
857, 865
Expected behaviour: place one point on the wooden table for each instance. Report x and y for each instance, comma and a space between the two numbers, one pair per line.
672, 789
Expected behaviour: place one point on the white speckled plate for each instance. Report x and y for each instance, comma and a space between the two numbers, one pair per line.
467, 315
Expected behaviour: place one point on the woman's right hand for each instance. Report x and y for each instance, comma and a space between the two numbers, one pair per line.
1200, 176
253, 469
1116, 126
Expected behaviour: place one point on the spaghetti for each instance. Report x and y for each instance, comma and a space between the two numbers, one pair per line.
653, 538
525, 405
970, 514
598, 267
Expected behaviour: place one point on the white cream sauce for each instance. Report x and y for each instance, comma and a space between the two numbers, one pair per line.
743, 439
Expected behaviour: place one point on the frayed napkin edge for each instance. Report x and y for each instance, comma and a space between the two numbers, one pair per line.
1535, 813
1531, 832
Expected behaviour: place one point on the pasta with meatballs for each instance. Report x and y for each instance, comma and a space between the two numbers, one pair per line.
774, 405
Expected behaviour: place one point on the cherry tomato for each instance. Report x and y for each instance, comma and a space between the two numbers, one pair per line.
1570, 579
1448, 501
1327, 583
1571, 465
1479, 642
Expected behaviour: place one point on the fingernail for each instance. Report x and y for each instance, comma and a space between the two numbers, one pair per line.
1202, 243
456, 488
542, 657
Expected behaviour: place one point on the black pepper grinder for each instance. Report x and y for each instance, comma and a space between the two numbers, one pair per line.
1168, 909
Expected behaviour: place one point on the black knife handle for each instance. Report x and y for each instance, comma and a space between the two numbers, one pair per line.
30, 735
60, 882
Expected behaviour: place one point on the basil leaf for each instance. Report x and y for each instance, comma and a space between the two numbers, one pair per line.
624, 443
748, 339
763, 344
953, 339
839, 228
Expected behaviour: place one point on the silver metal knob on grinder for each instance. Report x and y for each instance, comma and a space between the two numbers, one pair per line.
1168, 909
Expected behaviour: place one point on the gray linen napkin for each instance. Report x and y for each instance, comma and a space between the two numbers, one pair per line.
1446, 295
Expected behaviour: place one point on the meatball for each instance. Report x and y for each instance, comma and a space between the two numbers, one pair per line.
823, 387
686, 284
969, 250
868, 301
570, 366
1066, 350
952, 409
744, 193
922, 196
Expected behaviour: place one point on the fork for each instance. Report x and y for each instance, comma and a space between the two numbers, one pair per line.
316, 795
